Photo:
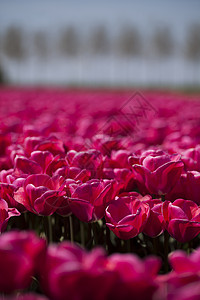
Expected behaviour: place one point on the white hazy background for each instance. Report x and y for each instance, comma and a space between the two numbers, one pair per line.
109, 43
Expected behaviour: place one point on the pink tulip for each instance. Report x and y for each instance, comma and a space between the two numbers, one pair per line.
187, 187
185, 264
191, 158
119, 159
134, 277
126, 216
155, 223
183, 281
188, 292
6, 213
90, 160
89, 200
106, 143
157, 172
41, 194
7, 193
70, 272
123, 177
190, 186
21, 255
39, 162
182, 219
51, 144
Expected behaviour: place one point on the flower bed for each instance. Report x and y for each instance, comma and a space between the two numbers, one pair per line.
100, 195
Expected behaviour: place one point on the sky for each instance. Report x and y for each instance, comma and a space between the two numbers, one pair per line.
54, 14
146, 15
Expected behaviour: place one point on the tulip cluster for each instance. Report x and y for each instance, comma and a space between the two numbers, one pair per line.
67, 271
99, 168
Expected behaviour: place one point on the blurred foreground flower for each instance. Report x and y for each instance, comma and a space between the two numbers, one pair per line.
21, 255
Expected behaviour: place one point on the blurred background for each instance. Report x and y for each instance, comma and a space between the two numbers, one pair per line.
100, 43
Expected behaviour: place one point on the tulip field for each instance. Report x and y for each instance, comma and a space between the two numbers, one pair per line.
99, 194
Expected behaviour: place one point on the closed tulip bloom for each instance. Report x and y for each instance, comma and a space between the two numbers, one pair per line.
187, 187
155, 223
190, 184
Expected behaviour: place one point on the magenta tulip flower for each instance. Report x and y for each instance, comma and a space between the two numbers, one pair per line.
70, 272
6, 213
157, 172
126, 216
186, 292
190, 186
187, 187
39, 143
182, 219
89, 200
90, 160
134, 277
36, 164
183, 280
191, 159
119, 159
182, 263
41, 194
7, 193
155, 223
21, 255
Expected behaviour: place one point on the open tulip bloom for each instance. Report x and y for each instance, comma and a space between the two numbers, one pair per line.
182, 219
157, 172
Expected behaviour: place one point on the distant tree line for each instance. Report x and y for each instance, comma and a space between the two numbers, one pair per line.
16, 44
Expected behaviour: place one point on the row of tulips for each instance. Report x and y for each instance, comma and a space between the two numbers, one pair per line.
66, 271
65, 189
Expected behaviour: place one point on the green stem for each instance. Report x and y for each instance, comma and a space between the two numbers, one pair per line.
50, 232
190, 246
179, 245
155, 245
129, 246
163, 198
32, 221
71, 229
108, 242
94, 231
82, 234
166, 249
45, 228
66, 229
